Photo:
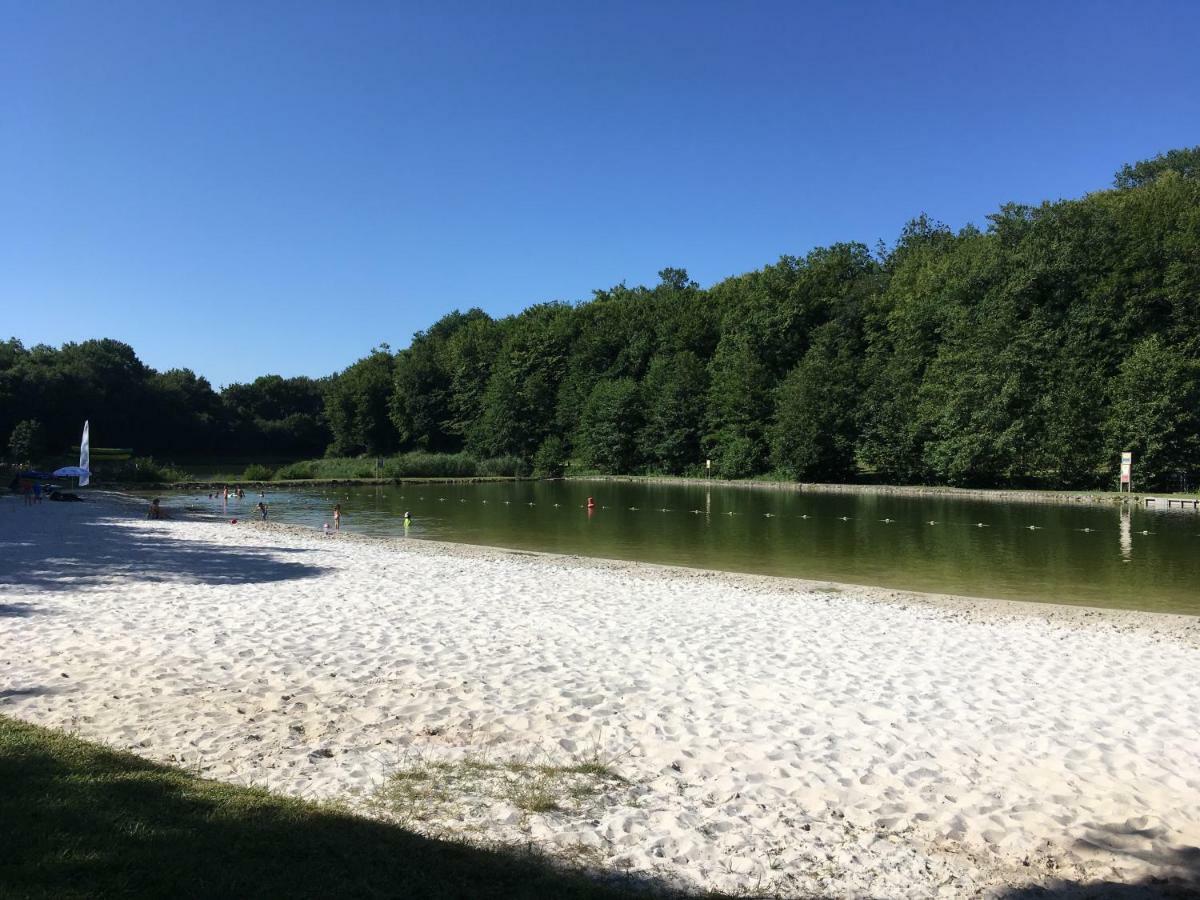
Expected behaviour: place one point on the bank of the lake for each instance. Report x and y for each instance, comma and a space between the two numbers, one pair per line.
1000, 495
1082, 553
728, 731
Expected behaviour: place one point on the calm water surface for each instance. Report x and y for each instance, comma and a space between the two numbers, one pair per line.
1086, 554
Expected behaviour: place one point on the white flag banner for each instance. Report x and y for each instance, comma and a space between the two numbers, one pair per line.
85, 457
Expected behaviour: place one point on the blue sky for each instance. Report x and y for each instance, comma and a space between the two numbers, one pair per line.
242, 188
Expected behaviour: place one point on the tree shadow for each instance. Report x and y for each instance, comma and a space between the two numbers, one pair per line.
90, 554
1175, 870
9, 693
78, 819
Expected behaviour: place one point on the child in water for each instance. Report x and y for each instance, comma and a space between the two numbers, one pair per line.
262, 509
337, 517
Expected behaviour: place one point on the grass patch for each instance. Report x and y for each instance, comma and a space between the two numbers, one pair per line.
80, 820
425, 792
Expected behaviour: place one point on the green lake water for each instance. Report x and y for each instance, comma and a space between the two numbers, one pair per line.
1095, 555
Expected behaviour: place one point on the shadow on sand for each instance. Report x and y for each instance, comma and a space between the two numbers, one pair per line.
80, 820
1177, 868
79, 555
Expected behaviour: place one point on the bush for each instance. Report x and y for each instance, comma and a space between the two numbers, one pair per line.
140, 469
431, 465
257, 472
550, 460
295, 471
26, 443
504, 466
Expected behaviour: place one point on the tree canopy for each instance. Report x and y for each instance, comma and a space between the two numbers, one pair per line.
1032, 351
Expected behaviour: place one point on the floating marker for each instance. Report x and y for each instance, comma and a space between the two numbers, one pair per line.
1034, 527
634, 508
932, 522
887, 521
980, 525
845, 518
804, 517
769, 515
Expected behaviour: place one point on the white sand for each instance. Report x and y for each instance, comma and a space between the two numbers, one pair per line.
775, 735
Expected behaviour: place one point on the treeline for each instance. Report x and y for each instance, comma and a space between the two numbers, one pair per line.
1030, 352
46, 393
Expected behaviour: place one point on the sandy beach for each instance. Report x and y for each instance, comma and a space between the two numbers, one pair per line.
757, 735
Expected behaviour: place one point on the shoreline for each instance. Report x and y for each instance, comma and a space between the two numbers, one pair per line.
1066, 497
1016, 495
742, 733
1181, 626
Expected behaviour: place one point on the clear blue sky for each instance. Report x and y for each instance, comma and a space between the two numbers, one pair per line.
243, 188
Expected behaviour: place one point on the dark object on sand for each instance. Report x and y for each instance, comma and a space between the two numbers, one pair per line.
64, 497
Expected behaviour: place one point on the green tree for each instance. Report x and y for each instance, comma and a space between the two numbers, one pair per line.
608, 427
356, 404
815, 430
1156, 413
519, 403
25, 445
673, 392
1185, 161
738, 409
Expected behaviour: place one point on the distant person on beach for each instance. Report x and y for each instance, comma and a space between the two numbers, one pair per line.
37, 492
325, 526
337, 517
262, 510
156, 511
27, 491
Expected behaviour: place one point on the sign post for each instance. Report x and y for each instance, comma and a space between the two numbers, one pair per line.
1126, 472
707, 468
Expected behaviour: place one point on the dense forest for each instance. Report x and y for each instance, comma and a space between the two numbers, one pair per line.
1029, 352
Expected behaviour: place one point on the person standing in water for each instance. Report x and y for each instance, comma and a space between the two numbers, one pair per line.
337, 517
262, 509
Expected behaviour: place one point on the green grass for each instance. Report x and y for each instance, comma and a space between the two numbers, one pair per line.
426, 793
80, 820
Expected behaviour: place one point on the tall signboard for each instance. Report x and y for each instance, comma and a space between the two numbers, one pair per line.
1126, 472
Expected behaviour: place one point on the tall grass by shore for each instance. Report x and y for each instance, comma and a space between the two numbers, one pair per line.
404, 465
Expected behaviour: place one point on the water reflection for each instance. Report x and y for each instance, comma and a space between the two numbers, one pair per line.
1126, 532
1060, 553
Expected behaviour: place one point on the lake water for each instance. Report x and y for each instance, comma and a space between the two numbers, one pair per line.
1097, 555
